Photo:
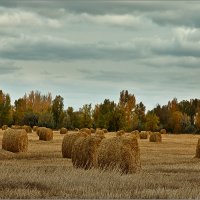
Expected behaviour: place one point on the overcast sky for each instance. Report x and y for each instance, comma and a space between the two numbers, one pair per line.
87, 51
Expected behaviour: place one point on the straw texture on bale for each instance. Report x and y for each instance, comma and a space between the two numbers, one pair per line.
105, 130
76, 129
4, 127
163, 131
45, 134
35, 128
68, 143
63, 131
92, 130
86, 130
15, 140
28, 129
198, 149
120, 133
16, 127
122, 153
155, 137
136, 133
143, 135
84, 152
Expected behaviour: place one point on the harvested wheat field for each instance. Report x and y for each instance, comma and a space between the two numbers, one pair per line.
169, 170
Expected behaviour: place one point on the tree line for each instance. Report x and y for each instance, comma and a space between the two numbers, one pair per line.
36, 109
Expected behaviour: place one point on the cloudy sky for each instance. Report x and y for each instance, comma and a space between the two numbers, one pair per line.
87, 51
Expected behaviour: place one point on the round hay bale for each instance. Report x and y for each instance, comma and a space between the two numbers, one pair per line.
136, 133
120, 153
28, 129
76, 129
68, 143
45, 134
86, 130
16, 127
4, 127
155, 137
163, 131
105, 130
120, 133
100, 133
35, 128
15, 140
143, 135
84, 152
198, 150
63, 131
92, 130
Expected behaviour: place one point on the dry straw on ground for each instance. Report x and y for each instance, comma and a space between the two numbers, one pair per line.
45, 134
86, 130
163, 131
198, 149
35, 128
63, 131
28, 129
120, 133
68, 143
122, 153
4, 127
143, 135
15, 140
16, 127
84, 152
155, 137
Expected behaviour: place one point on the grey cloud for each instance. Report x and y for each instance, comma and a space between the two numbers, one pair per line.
8, 68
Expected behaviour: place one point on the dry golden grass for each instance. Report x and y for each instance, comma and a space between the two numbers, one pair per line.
169, 170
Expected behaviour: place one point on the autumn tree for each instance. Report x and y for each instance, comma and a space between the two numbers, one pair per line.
86, 116
5, 108
152, 122
19, 111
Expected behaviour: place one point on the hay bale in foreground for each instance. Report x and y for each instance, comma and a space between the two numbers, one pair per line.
68, 143
155, 137
121, 153
163, 131
28, 129
4, 127
45, 134
105, 130
63, 131
84, 152
120, 133
198, 150
143, 135
86, 130
76, 129
15, 140
136, 133
92, 130
35, 128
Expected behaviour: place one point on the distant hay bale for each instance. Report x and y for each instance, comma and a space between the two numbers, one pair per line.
120, 133
143, 135
84, 152
76, 129
105, 130
4, 127
63, 131
136, 133
35, 128
121, 153
45, 134
15, 140
16, 127
198, 150
28, 129
100, 133
92, 130
155, 137
163, 131
68, 143
86, 130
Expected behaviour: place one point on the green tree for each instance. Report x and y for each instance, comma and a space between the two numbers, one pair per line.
140, 111
86, 116
152, 122
19, 111
57, 111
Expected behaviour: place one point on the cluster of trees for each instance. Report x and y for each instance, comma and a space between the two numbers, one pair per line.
42, 110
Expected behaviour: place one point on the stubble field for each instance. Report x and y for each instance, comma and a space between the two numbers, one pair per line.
169, 170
